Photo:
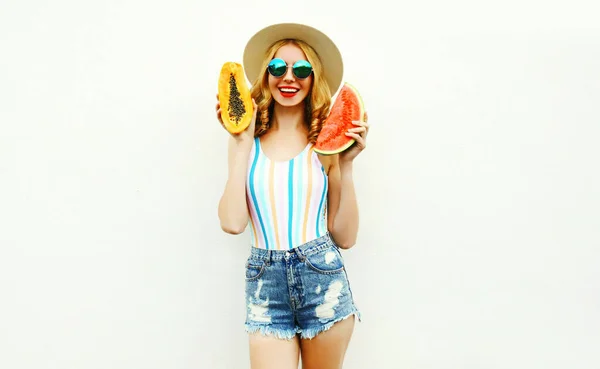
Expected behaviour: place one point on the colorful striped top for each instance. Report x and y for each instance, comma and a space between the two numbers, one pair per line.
287, 200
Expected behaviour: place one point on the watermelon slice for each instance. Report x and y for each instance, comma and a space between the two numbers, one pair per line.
348, 106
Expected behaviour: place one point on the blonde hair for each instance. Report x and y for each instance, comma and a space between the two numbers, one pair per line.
317, 102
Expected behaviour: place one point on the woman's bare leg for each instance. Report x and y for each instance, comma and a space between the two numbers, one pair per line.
268, 352
327, 349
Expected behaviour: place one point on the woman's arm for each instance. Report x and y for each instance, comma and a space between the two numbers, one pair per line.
342, 204
233, 209
343, 217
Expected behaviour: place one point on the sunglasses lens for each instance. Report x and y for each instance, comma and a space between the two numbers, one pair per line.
277, 67
302, 69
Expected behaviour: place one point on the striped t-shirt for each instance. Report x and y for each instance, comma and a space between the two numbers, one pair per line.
287, 200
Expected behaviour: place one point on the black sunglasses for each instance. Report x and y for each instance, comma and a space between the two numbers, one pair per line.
301, 69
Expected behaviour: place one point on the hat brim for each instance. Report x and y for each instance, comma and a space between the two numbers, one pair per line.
328, 52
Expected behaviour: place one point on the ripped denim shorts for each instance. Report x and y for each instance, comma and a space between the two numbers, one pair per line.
300, 291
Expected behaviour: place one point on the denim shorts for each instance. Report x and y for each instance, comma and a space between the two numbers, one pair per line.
300, 291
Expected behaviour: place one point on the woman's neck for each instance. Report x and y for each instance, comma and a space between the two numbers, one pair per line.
288, 118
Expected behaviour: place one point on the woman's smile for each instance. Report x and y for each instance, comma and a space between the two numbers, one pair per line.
288, 91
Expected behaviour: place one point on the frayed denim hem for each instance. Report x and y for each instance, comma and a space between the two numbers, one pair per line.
283, 334
313, 332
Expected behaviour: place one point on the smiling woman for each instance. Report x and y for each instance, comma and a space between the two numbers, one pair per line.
289, 91
301, 206
301, 69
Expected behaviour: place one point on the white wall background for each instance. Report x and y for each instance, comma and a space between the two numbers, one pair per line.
479, 192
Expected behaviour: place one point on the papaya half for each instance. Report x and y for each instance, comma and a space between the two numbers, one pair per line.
347, 107
234, 98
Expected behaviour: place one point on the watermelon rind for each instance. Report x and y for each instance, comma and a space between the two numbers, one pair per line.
350, 140
336, 151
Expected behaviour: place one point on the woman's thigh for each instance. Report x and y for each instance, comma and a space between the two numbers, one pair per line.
268, 352
328, 349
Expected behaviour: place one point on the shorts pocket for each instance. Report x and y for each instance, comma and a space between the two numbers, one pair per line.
328, 261
254, 268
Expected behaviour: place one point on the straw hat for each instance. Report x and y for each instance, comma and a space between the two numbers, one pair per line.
328, 52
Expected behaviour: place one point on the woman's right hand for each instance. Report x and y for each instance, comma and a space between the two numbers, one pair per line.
248, 134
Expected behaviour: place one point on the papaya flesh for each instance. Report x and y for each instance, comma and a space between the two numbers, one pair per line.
234, 98
347, 107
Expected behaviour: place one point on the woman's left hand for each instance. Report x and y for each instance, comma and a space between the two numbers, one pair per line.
359, 134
